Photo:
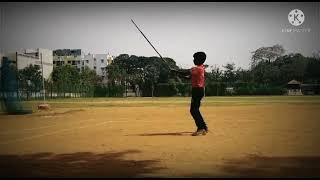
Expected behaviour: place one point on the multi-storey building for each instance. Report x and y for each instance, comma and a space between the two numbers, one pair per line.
97, 62
77, 58
72, 57
25, 57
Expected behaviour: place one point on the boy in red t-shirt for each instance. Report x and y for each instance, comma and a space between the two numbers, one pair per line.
198, 83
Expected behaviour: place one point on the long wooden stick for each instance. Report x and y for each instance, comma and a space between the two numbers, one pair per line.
150, 43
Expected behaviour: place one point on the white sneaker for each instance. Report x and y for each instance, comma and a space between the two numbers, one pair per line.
199, 132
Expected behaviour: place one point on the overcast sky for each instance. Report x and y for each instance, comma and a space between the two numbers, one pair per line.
227, 32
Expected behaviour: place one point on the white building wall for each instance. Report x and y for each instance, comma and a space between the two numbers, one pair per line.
101, 64
88, 61
47, 61
24, 60
97, 62
109, 59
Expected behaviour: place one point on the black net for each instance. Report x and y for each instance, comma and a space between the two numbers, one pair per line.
10, 101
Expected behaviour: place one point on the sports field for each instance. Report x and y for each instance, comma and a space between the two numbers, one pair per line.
261, 136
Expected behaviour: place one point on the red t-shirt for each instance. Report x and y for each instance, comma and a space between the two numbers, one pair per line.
197, 76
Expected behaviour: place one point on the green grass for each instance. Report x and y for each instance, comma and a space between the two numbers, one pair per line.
174, 101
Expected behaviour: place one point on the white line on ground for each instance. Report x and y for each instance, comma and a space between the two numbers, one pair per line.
47, 134
22, 131
42, 127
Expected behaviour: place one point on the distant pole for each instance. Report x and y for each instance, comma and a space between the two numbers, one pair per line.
43, 88
217, 88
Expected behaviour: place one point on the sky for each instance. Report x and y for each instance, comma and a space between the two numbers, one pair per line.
226, 32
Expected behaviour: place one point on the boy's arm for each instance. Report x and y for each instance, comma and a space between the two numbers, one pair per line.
184, 73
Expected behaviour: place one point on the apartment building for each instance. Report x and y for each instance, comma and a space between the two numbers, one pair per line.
97, 62
25, 57
77, 58
72, 57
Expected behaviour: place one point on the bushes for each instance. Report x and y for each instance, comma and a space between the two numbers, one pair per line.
100, 91
146, 89
108, 91
184, 89
266, 90
115, 91
259, 90
166, 89
215, 89
181, 89
163, 90
245, 90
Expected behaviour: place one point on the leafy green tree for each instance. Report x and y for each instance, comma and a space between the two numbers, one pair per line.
229, 73
117, 80
145, 71
267, 54
152, 75
89, 79
215, 75
66, 78
30, 79
292, 66
243, 76
312, 73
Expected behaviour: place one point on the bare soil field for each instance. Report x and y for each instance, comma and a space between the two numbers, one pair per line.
152, 138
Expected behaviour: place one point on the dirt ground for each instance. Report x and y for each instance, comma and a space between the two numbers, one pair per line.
267, 140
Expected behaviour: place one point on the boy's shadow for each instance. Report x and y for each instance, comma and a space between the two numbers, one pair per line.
185, 133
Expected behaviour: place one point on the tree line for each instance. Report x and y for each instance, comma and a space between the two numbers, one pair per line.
270, 70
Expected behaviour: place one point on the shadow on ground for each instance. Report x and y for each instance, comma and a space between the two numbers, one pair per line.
44, 113
52, 113
80, 164
263, 166
166, 134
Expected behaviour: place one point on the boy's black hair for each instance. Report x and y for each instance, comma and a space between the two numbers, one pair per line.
199, 58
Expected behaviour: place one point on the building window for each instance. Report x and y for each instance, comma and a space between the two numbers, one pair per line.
102, 61
94, 67
87, 61
54, 62
69, 62
94, 59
